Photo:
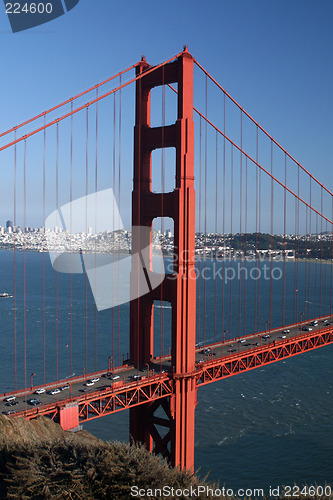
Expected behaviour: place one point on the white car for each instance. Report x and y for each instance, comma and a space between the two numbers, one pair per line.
40, 391
96, 379
54, 391
8, 399
115, 377
89, 383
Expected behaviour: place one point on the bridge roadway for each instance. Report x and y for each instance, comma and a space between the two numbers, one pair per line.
213, 362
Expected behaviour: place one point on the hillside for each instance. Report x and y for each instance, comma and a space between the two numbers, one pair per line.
40, 460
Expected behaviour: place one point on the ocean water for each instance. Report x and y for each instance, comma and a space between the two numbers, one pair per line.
268, 427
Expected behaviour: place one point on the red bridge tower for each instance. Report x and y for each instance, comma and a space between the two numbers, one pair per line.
179, 288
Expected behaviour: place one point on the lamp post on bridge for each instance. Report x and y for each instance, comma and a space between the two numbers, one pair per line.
32, 379
300, 323
224, 332
110, 364
266, 329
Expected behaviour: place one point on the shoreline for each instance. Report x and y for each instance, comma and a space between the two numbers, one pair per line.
197, 257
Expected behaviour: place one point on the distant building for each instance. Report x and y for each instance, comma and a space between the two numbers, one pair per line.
9, 223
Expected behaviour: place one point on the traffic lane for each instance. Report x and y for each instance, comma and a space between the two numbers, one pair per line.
233, 346
78, 389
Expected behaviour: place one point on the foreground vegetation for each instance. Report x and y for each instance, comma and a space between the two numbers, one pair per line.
39, 460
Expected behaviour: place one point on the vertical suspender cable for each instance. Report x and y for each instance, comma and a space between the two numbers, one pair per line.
245, 249
86, 230
57, 206
297, 239
205, 283
119, 205
113, 217
96, 221
321, 253
70, 249
256, 245
259, 244
295, 263
272, 245
200, 238
44, 215
325, 268
216, 253
223, 224
316, 268
284, 242
24, 262
15, 224
307, 263
240, 225
231, 228
331, 257
310, 254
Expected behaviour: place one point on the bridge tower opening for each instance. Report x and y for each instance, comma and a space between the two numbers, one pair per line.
178, 288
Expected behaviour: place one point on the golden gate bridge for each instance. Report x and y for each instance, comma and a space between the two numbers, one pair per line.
227, 187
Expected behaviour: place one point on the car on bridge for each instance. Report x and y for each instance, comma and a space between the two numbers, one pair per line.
10, 412
89, 383
266, 336
40, 391
64, 387
9, 398
12, 403
95, 379
54, 391
34, 402
306, 328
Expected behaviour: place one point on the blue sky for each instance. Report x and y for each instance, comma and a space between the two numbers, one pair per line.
274, 58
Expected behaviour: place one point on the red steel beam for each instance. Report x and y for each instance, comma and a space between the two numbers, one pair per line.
159, 390
227, 366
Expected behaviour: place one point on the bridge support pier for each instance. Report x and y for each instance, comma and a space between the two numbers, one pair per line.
179, 288
68, 417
